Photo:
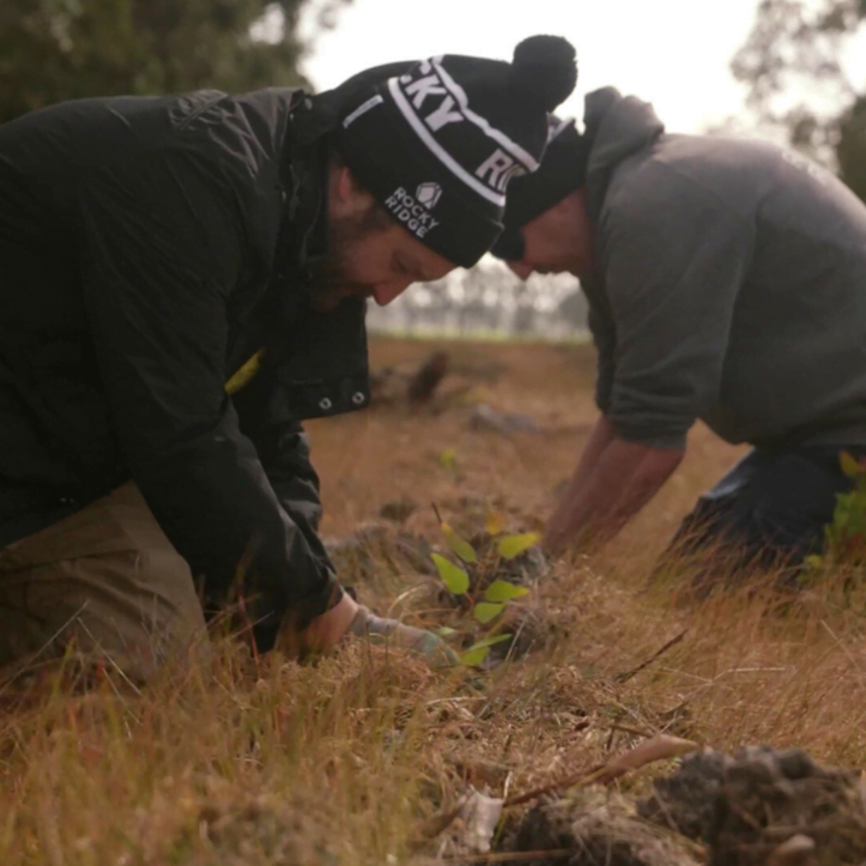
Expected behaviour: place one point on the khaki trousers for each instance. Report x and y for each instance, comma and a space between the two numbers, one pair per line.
105, 584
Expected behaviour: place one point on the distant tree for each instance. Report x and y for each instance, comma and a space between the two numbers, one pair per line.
793, 65
472, 312
527, 296
488, 298
573, 309
54, 50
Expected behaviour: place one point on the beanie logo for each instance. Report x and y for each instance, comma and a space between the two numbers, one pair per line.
498, 169
411, 212
430, 85
429, 194
437, 109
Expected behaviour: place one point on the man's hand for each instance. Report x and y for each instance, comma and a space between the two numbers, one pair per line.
611, 484
327, 630
348, 617
379, 629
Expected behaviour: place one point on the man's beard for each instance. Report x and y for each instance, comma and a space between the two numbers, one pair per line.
330, 281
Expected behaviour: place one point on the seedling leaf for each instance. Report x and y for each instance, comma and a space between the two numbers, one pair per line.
474, 656
458, 544
485, 611
456, 580
513, 545
502, 590
448, 458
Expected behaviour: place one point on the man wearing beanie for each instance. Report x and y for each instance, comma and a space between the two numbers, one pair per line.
183, 282
726, 282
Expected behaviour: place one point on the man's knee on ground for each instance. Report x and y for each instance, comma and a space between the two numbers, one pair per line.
104, 583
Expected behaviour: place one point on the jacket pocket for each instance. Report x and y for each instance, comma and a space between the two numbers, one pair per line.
302, 401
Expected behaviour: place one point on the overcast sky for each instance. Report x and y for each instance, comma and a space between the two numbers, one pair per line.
673, 53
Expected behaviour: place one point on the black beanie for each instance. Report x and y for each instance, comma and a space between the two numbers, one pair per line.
438, 144
562, 171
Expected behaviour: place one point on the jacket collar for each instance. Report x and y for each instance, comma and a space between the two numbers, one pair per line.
303, 237
308, 345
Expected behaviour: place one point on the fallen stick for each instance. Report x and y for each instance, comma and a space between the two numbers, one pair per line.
506, 857
658, 748
627, 675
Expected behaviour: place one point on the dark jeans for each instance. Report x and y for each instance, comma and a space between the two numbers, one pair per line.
768, 512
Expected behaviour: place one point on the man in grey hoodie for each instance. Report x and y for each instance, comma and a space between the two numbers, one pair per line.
726, 282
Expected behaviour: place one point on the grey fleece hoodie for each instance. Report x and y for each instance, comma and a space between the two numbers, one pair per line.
730, 286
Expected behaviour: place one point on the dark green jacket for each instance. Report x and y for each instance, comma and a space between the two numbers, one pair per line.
148, 248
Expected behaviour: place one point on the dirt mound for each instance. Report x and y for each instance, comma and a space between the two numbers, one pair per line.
399, 510
768, 797
686, 800
375, 547
229, 827
759, 807
391, 385
602, 833
744, 807
531, 629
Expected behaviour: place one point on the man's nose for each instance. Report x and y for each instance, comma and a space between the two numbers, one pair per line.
520, 269
384, 293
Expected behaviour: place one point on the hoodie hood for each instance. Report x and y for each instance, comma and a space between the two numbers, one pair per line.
617, 127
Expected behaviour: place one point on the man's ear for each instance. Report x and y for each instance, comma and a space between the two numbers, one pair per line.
347, 196
344, 185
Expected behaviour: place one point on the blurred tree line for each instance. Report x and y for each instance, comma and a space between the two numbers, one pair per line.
53, 50
796, 64
488, 299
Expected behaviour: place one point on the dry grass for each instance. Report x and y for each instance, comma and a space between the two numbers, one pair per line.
342, 762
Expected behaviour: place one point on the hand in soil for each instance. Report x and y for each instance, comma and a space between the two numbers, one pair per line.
394, 633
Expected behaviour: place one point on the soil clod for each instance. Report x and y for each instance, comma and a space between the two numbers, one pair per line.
601, 831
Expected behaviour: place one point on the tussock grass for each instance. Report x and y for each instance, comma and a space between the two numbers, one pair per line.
246, 762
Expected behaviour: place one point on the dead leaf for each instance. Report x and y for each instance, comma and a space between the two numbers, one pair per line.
480, 815
799, 850
494, 523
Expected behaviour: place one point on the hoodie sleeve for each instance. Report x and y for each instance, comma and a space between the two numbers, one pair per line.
603, 331
163, 249
674, 258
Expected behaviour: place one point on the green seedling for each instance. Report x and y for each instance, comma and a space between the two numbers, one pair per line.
487, 609
845, 535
